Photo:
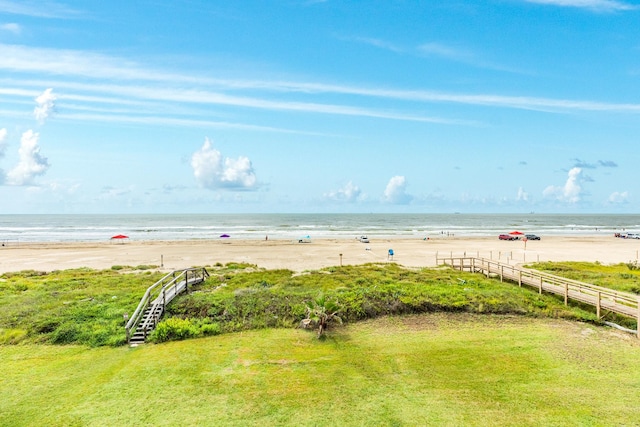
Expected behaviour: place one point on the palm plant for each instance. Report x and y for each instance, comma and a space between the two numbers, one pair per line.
320, 312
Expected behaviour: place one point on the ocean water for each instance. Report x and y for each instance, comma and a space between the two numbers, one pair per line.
93, 228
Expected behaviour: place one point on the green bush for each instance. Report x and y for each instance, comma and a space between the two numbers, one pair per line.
146, 267
67, 333
174, 328
207, 328
12, 336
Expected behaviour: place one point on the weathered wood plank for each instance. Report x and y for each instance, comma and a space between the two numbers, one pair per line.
623, 303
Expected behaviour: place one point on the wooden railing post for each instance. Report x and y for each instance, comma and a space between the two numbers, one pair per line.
638, 320
566, 293
540, 286
598, 304
520, 278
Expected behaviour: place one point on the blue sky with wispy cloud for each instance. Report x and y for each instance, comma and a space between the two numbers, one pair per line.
298, 106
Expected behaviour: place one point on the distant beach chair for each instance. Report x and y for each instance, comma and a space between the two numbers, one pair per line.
390, 255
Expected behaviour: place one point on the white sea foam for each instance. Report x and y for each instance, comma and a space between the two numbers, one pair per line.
76, 228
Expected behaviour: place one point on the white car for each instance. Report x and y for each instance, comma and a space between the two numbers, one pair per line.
364, 239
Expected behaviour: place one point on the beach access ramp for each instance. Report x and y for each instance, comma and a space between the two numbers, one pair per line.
603, 299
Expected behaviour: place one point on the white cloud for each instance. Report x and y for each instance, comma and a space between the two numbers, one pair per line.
381, 44
349, 193
212, 170
31, 164
3, 147
570, 192
619, 197
3, 141
37, 8
45, 105
11, 28
89, 64
522, 195
109, 192
596, 5
396, 191
439, 49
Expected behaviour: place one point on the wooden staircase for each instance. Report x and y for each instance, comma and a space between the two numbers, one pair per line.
149, 320
155, 300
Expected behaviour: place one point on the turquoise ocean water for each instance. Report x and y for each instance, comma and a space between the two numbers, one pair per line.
87, 228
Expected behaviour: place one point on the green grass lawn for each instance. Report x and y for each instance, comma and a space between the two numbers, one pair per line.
430, 369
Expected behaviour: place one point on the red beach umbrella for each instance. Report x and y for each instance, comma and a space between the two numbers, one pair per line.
119, 238
516, 233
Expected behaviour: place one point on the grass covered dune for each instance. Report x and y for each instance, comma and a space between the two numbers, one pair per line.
428, 369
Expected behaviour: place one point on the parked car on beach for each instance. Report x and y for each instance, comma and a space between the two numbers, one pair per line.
532, 237
364, 239
507, 237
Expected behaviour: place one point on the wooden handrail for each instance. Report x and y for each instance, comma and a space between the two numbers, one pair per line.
161, 293
619, 302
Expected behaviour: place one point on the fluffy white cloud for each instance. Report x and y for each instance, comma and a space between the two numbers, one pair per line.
522, 196
212, 170
349, 193
31, 164
571, 190
396, 191
45, 104
619, 197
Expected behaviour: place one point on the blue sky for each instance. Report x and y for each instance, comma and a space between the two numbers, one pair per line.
205, 106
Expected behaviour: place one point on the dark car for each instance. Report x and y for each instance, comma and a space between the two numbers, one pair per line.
506, 237
532, 237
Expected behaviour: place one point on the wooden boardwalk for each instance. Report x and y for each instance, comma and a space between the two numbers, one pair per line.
155, 300
624, 303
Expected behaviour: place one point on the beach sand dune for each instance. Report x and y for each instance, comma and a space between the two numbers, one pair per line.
287, 254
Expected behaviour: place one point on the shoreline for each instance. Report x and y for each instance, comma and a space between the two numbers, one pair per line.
319, 253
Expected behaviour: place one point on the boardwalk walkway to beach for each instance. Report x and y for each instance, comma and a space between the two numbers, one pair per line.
623, 303
155, 299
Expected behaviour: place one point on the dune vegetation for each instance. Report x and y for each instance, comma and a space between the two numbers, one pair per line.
416, 347
87, 307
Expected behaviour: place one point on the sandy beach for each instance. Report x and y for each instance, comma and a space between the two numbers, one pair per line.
272, 254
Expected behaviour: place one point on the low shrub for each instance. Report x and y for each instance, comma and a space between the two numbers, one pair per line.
174, 328
12, 336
